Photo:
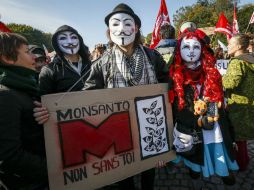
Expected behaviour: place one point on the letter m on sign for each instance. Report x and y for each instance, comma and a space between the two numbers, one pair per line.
79, 137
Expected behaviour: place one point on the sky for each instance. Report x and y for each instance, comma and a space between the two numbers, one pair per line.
86, 16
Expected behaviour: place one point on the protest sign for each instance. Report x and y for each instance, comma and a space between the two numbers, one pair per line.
222, 65
98, 137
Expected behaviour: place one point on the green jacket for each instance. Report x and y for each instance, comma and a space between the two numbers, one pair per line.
239, 85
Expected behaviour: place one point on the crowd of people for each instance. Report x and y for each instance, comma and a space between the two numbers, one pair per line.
209, 141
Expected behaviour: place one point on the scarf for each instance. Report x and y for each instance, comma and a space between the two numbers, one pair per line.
19, 78
131, 71
194, 78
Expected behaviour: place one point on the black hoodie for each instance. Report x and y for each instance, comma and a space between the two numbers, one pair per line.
59, 76
83, 51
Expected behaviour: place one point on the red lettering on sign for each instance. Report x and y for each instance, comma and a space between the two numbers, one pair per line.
79, 137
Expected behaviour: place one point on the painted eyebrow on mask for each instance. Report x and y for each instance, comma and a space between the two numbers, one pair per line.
116, 19
128, 19
66, 34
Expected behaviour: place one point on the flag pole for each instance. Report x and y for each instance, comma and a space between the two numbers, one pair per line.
247, 28
250, 22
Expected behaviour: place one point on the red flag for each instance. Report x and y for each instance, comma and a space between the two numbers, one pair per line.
161, 19
4, 28
223, 26
235, 27
252, 18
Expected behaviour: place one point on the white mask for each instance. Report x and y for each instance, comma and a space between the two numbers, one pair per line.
122, 29
182, 142
68, 42
190, 50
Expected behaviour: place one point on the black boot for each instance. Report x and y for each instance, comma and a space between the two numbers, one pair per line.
193, 174
229, 180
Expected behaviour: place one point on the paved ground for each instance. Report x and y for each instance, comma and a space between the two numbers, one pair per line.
178, 178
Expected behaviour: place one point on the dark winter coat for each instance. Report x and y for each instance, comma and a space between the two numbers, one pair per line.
100, 71
22, 149
59, 76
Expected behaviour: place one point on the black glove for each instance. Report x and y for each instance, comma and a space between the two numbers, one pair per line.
206, 125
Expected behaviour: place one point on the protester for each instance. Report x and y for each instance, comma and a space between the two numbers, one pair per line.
22, 153
187, 25
127, 63
98, 51
202, 135
167, 44
41, 58
219, 54
238, 83
251, 45
68, 66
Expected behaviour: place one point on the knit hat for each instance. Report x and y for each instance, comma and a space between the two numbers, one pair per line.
188, 25
123, 8
192, 27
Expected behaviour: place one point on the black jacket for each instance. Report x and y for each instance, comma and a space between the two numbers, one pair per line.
22, 149
100, 70
59, 76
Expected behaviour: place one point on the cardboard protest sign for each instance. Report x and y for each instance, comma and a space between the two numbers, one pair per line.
98, 137
222, 65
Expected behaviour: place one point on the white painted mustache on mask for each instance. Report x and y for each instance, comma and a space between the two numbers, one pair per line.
191, 55
70, 46
122, 33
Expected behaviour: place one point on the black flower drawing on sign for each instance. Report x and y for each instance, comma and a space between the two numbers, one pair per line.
154, 139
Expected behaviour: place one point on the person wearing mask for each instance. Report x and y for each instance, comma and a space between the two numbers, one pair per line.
203, 143
22, 150
41, 58
127, 63
70, 64
238, 83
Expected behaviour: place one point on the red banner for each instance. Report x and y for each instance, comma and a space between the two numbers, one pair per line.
4, 28
223, 26
161, 19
